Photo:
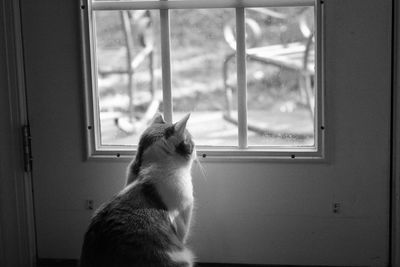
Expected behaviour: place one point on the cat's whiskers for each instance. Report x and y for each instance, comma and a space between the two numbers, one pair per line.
201, 168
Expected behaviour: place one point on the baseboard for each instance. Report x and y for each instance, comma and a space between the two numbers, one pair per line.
57, 263
255, 265
74, 263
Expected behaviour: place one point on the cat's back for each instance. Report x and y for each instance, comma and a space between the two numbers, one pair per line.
133, 229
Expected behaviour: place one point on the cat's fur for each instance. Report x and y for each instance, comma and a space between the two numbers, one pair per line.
147, 223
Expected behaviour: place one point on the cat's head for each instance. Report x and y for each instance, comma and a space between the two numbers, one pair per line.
166, 142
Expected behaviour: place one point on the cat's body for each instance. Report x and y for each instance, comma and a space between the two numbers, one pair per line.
147, 223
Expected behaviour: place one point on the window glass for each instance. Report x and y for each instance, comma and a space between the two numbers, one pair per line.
198, 53
280, 76
128, 96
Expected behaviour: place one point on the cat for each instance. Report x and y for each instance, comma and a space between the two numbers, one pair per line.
147, 223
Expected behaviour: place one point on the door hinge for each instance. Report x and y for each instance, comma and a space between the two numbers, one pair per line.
27, 138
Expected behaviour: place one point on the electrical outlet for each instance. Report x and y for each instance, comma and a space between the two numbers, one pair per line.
336, 207
89, 204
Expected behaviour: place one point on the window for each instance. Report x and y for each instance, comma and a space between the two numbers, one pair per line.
249, 72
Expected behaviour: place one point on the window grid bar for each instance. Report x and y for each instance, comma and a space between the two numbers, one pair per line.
241, 76
166, 64
196, 4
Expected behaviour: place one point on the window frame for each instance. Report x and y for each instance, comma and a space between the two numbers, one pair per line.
241, 152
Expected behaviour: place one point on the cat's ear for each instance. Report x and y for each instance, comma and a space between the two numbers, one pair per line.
180, 126
158, 118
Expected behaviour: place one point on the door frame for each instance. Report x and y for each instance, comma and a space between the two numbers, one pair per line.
17, 229
395, 157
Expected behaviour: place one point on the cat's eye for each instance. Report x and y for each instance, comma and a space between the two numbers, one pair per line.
249, 72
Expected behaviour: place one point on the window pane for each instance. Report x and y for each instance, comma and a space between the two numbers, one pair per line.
199, 51
280, 73
129, 73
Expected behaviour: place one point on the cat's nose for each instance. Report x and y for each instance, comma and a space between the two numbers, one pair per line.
190, 147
